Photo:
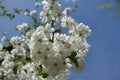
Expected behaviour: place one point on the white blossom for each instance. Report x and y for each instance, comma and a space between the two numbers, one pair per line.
23, 26
68, 22
67, 10
26, 13
52, 9
3, 38
15, 40
37, 4
45, 52
33, 13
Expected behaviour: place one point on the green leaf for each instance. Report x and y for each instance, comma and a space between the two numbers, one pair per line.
11, 16
4, 10
26, 10
34, 24
59, 29
18, 11
29, 28
74, 54
15, 28
76, 5
105, 6
4, 32
44, 75
73, 58
27, 60
8, 47
15, 68
34, 19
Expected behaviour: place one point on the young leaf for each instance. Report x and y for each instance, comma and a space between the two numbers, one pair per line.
76, 5
15, 68
15, 28
73, 58
8, 47
34, 24
4, 33
11, 16
59, 29
73, 54
44, 75
29, 28
4, 10
18, 11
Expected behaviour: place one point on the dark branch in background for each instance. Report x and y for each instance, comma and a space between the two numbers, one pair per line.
11, 15
110, 5
5, 12
52, 24
16, 11
118, 2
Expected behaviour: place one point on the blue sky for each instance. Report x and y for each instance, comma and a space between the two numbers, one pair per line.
103, 59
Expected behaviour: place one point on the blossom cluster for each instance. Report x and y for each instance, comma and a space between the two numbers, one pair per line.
45, 52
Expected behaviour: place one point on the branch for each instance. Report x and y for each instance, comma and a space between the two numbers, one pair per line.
52, 24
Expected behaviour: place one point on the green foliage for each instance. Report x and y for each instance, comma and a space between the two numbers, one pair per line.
15, 28
4, 33
18, 11
27, 60
74, 54
76, 5
110, 5
35, 21
6, 13
4, 10
11, 16
19, 61
29, 28
105, 6
15, 68
59, 29
44, 75
7, 47
34, 24
73, 58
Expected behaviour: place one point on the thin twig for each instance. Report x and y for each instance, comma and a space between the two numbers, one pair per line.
52, 24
